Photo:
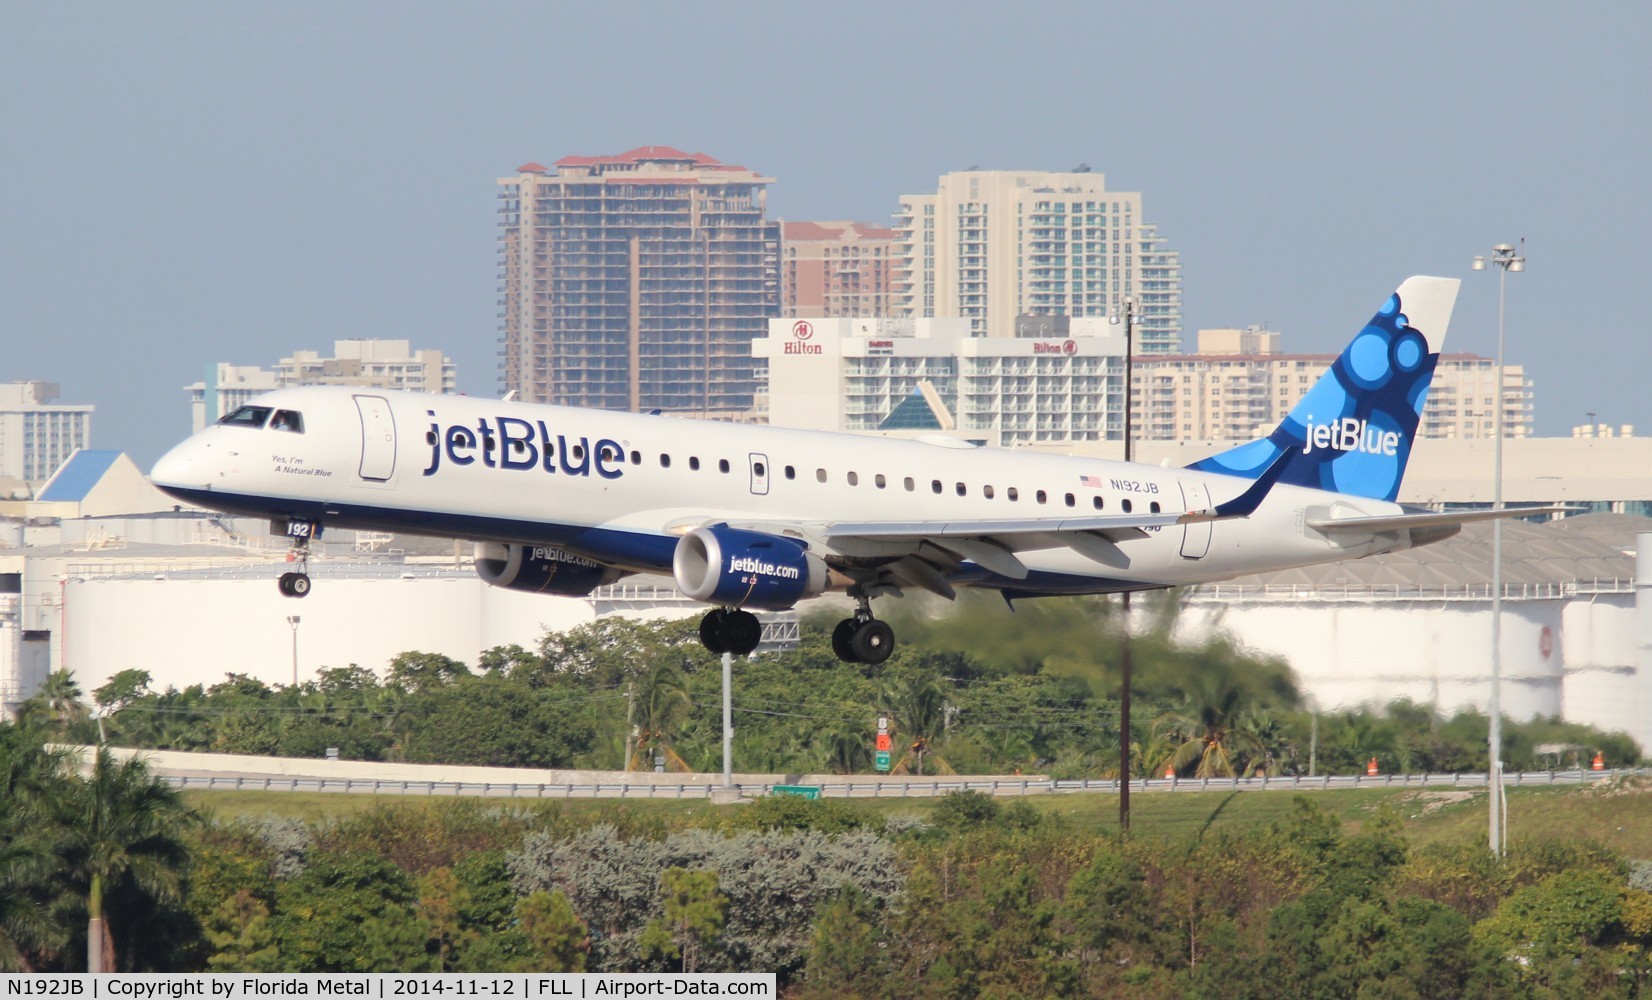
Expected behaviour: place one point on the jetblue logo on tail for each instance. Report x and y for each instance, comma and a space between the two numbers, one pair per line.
1349, 434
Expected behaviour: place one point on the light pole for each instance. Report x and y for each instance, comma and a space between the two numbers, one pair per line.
1505, 259
1125, 652
293, 620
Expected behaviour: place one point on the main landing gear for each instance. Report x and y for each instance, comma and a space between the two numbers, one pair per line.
298, 584
730, 630
863, 639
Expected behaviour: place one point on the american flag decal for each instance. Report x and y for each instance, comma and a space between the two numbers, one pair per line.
1094, 482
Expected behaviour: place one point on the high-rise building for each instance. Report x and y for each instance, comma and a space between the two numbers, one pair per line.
835, 269
1239, 386
992, 245
36, 434
377, 364
636, 281
853, 374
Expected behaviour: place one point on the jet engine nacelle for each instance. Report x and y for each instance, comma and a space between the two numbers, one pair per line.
747, 569
540, 569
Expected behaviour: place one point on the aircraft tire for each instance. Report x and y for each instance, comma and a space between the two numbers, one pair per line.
299, 586
713, 636
872, 641
840, 640
743, 632
286, 584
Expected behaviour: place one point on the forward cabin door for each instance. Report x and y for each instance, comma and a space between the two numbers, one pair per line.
378, 438
1196, 534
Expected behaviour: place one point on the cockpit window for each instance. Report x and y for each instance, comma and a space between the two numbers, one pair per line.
246, 416
288, 420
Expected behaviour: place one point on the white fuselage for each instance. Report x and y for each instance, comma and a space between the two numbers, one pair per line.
620, 488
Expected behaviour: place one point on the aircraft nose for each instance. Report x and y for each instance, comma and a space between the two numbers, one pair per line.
179, 467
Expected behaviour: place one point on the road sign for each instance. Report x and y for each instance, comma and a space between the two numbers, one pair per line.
880, 760
883, 742
801, 791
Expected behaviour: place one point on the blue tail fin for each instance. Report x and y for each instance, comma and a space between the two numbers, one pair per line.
1353, 431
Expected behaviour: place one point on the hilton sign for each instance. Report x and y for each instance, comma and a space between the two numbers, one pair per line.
1055, 347
802, 330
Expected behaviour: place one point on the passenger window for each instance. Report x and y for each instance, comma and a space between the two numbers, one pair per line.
1096, 502
722, 465
288, 420
694, 462
1014, 495
791, 473
935, 484
910, 485
1126, 506
246, 416
1043, 497
1070, 501
962, 489
820, 475
854, 480
665, 461
1154, 506
879, 481
579, 452
636, 458
604, 454
986, 491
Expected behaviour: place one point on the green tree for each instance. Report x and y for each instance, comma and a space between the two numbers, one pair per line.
1550, 929
349, 912
848, 952
694, 916
122, 826
241, 937
417, 672
442, 901
30, 777
559, 939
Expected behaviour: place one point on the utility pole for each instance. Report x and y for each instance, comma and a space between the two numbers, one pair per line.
1504, 257
1126, 656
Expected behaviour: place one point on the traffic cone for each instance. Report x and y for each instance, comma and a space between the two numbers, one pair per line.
1371, 768
1599, 763
1170, 772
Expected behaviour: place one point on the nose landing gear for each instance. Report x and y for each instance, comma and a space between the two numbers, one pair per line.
298, 584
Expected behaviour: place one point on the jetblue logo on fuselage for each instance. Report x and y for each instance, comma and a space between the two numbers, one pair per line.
1349, 434
746, 564
512, 443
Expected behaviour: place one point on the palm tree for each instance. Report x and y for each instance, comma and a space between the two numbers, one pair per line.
29, 774
846, 751
57, 706
1263, 743
1202, 728
121, 824
661, 705
918, 705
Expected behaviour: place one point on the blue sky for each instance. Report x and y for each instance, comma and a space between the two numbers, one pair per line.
185, 183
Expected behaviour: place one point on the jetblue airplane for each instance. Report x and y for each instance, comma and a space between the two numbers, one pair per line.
561, 500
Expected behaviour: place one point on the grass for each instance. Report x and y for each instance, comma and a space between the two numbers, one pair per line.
1617, 814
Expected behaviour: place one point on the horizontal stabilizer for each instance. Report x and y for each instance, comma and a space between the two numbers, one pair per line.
1425, 519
